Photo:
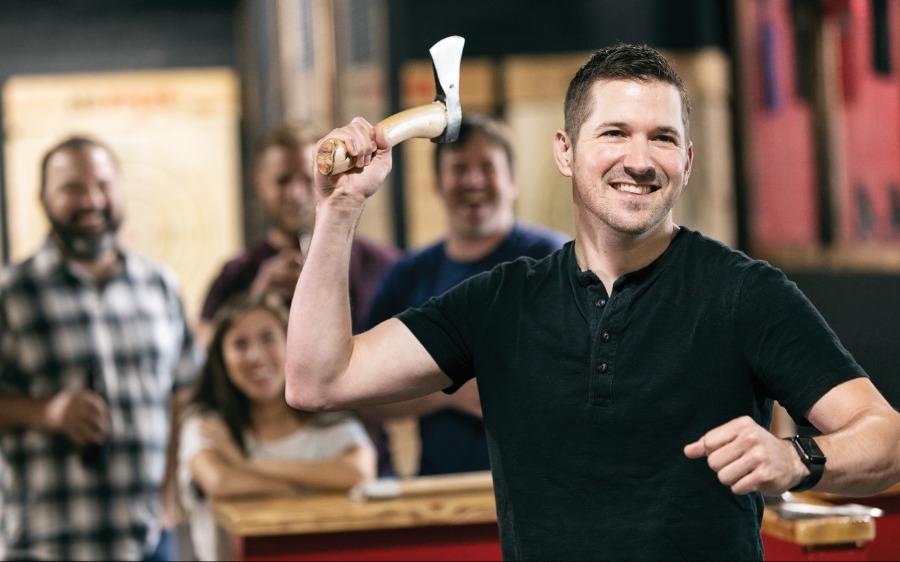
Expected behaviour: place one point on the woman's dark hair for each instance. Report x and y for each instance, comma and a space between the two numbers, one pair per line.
214, 391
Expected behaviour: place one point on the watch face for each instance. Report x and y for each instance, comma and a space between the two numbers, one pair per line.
811, 449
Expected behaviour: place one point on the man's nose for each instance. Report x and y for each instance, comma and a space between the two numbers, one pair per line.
94, 198
638, 163
473, 177
253, 352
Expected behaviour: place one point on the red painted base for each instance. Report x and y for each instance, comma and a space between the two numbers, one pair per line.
886, 545
459, 542
777, 549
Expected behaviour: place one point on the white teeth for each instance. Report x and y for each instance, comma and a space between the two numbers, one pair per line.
630, 188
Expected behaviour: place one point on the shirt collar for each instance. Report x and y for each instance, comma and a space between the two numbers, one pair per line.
583, 279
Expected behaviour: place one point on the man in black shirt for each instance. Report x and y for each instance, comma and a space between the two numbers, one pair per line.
626, 380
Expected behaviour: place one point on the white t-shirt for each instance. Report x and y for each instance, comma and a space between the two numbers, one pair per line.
309, 443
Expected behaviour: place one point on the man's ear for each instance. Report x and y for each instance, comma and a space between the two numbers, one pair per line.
689, 164
563, 153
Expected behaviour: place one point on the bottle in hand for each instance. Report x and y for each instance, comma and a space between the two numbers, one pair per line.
95, 455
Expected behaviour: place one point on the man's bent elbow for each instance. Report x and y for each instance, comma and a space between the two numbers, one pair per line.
302, 393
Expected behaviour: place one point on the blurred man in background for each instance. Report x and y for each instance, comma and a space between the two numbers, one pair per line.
94, 344
477, 188
282, 178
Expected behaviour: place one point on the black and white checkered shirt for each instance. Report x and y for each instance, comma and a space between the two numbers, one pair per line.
126, 338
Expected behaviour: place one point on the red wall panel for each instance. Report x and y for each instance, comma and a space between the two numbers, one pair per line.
870, 123
782, 200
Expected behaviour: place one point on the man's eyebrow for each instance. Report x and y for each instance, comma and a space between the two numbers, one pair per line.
664, 129
617, 124
668, 130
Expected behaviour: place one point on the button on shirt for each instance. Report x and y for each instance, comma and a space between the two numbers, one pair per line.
128, 340
587, 408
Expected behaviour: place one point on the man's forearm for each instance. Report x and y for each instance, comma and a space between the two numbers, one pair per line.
18, 412
320, 338
863, 457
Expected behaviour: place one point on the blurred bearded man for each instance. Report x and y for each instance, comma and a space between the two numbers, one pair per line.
94, 346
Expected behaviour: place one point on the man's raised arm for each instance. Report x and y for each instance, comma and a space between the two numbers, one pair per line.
327, 367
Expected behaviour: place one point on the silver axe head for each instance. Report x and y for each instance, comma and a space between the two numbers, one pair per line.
446, 56
438, 120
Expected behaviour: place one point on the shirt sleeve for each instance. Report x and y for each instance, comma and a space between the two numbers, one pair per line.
386, 302
190, 354
190, 442
369, 263
12, 379
217, 294
6, 364
190, 360
791, 349
450, 326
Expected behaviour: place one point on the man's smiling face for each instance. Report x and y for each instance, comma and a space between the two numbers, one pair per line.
631, 158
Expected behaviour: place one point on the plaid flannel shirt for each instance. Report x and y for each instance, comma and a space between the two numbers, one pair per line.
129, 340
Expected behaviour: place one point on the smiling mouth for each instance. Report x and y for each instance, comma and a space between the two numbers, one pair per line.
261, 376
634, 188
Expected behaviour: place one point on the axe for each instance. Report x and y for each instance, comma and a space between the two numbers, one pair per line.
438, 121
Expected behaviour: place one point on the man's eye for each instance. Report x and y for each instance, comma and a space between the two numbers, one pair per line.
614, 133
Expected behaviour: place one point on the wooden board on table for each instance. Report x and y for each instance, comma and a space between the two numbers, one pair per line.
337, 513
817, 531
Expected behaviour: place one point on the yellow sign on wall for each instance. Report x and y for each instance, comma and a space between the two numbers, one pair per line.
175, 133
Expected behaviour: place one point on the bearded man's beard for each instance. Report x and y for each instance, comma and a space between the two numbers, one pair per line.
81, 245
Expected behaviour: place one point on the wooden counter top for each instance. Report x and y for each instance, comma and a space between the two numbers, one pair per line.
816, 531
435, 501
337, 512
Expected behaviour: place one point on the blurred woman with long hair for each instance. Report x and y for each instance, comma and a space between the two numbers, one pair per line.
240, 437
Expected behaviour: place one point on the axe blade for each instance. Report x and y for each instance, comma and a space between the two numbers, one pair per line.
446, 56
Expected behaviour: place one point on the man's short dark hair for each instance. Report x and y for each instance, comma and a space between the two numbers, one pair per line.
478, 124
73, 143
619, 62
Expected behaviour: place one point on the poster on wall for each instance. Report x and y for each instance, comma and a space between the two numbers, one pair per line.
177, 138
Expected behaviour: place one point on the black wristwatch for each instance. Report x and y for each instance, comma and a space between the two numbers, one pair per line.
812, 458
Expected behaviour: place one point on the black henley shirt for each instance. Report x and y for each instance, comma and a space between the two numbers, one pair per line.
589, 398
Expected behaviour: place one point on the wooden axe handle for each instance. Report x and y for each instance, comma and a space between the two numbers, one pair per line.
425, 122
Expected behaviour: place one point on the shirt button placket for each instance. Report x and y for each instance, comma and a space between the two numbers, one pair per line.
601, 381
